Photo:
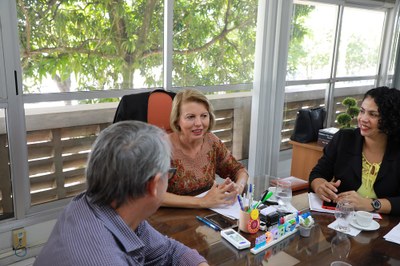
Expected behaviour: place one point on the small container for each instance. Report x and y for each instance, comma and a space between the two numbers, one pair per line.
305, 231
246, 222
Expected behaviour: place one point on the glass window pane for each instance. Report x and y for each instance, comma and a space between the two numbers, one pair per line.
394, 49
213, 42
6, 199
360, 42
311, 41
85, 45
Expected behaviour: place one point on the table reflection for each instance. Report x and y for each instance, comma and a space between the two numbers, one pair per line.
322, 247
340, 246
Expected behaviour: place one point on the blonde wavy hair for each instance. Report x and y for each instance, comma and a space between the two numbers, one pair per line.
186, 96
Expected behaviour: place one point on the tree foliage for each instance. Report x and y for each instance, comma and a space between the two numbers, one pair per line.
359, 56
103, 43
297, 52
111, 44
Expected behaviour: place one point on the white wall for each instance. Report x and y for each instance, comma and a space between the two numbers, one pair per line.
37, 236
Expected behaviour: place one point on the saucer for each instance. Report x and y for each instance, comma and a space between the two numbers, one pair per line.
373, 226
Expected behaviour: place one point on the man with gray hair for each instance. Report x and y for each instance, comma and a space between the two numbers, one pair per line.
127, 177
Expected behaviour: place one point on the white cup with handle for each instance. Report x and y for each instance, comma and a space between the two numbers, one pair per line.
364, 218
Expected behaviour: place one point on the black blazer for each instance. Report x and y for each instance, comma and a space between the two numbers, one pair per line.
134, 106
342, 159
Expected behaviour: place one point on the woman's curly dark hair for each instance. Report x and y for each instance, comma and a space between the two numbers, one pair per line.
388, 102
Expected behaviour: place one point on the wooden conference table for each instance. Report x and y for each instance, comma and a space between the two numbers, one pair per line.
367, 248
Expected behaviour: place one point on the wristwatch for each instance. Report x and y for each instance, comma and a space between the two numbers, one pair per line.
376, 204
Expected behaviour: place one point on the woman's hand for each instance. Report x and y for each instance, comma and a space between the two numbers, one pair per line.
223, 194
325, 190
241, 181
360, 203
238, 187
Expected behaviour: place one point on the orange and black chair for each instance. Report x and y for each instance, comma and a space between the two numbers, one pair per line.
153, 107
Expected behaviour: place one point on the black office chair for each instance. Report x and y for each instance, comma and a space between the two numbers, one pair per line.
153, 107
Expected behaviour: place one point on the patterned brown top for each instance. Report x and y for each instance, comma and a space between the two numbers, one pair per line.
197, 175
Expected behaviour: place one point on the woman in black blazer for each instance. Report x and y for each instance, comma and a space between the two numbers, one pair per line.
363, 164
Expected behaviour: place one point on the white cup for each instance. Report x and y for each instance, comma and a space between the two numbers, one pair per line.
364, 218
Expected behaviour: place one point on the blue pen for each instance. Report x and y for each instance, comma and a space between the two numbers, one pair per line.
207, 223
250, 196
240, 202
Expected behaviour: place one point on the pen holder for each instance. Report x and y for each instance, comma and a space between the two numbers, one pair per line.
249, 222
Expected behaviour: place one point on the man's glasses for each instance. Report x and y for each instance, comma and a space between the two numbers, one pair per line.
171, 172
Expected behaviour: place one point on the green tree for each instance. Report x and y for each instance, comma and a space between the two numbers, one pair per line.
298, 31
102, 43
356, 55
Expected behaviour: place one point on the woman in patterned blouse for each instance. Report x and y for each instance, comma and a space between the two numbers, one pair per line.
198, 155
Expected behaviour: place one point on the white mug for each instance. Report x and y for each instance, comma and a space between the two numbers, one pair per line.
364, 218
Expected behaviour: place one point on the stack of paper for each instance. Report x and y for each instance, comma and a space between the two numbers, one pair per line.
394, 235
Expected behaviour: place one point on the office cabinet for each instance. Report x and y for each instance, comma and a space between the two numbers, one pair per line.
304, 157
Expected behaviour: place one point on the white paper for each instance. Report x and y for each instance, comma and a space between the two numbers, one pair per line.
394, 235
230, 211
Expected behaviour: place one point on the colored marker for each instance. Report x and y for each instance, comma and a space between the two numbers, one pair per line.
267, 196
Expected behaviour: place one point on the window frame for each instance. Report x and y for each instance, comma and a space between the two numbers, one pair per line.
260, 162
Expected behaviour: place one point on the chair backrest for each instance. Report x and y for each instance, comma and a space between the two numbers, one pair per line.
153, 107
159, 109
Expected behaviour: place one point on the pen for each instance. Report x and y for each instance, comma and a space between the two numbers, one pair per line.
207, 223
253, 187
240, 202
250, 195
